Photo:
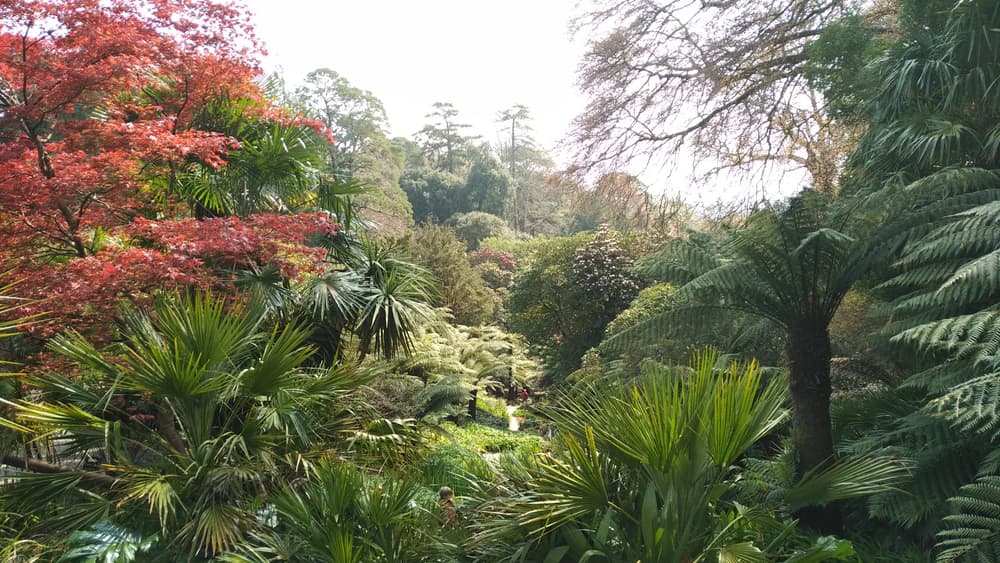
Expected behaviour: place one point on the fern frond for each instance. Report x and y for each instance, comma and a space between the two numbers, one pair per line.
973, 406
683, 319
941, 377
967, 240
679, 261
985, 215
983, 273
924, 275
975, 336
954, 181
973, 532
940, 470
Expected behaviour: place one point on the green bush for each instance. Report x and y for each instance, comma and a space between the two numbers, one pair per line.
444, 462
484, 439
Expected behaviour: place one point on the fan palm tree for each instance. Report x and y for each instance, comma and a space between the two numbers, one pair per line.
395, 302
194, 419
791, 266
276, 167
13, 546
646, 473
376, 296
341, 515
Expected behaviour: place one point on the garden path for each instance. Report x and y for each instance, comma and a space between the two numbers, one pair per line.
512, 423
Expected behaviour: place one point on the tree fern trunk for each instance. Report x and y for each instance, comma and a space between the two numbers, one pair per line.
808, 351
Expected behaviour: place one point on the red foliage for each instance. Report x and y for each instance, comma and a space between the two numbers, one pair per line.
496, 266
98, 99
85, 293
92, 91
232, 242
486, 255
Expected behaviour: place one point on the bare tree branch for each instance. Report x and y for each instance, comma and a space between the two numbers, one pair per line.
721, 79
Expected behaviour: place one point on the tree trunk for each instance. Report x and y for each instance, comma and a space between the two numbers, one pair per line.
41, 466
473, 411
166, 426
808, 351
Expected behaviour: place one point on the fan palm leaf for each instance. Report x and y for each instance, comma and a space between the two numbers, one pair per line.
233, 409
649, 463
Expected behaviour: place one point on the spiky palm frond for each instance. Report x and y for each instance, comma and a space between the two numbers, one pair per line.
341, 515
333, 195
11, 323
396, 301
846, 479
652, 461
232, 408
334, 297
383, 302
268, 290
274, 168
106, 542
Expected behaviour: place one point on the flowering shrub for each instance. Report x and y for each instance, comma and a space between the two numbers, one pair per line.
601, 272
496, 267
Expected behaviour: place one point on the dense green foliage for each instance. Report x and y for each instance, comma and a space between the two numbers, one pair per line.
197, 413
258, 356
573, 287
658, 471
461, 288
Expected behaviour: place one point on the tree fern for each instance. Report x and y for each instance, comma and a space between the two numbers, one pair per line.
791, 265
975, 336
973, 531
932, 147
943, 459
973, 406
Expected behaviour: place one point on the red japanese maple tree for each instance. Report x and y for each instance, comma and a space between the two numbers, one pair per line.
77, 118
98, 98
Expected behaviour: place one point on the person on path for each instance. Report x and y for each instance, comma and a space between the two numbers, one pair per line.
446, 500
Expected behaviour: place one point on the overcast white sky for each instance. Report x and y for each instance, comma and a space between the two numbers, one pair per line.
482, 56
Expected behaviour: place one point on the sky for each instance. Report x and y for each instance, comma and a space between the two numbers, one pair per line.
482, 56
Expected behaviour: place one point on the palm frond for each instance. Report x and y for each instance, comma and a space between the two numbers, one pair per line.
848, 478
394, 307
106, 542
